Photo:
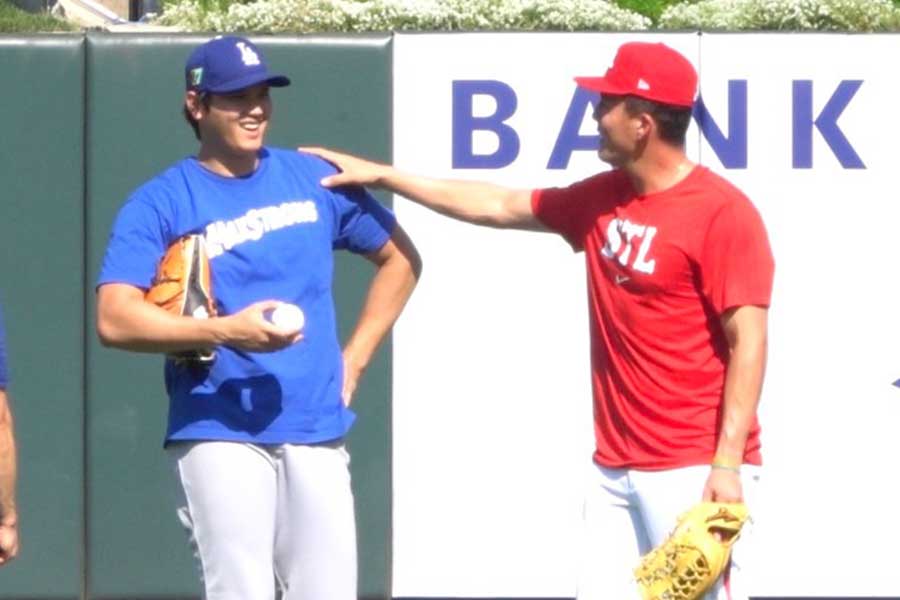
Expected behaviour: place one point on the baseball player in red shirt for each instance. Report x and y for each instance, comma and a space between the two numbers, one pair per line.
679, 282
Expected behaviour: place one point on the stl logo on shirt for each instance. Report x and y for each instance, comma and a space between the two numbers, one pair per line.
622, 237
248, 55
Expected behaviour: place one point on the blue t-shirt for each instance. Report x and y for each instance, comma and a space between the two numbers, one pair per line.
4, 377
269, 235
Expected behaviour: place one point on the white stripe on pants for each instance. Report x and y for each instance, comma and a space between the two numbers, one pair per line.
267, 517
629, 512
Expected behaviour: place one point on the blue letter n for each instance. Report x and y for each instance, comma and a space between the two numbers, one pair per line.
731, 150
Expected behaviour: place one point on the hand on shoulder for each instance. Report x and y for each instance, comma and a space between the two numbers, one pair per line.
352, 169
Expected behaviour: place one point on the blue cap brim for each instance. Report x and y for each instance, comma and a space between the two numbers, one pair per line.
250, 81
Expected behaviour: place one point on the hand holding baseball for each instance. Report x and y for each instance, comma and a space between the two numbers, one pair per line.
251, 329
288, 317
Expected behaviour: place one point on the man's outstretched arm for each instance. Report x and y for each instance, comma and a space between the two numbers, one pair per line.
475, 202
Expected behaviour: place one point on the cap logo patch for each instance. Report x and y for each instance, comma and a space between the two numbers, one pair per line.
196, 76
643, 85
249, 57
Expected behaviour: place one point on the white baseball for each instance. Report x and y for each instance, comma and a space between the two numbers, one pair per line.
288, 316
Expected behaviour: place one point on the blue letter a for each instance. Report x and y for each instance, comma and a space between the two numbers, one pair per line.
569, 139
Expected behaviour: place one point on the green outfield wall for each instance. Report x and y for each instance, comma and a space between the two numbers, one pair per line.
43, 297
89, 118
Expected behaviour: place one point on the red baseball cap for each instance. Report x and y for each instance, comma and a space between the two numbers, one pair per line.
652, 71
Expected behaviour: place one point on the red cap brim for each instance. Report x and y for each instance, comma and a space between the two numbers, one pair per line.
599, 85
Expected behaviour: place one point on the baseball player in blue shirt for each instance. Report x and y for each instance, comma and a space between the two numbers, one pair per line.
256, 438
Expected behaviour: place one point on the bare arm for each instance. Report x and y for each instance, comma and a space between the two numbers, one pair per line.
746, 330
125, 320
398, 267
9, 521
475, 202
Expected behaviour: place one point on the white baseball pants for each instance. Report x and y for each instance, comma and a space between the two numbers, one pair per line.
629, 512
268, 519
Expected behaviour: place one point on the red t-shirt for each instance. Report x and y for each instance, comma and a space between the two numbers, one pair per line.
662, 269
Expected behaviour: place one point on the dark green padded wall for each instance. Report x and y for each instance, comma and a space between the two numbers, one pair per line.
135, 546
340, 97
41, 267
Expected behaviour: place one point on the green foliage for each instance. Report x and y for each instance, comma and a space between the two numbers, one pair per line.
329, 16
15, 20
326, 16
783, 15
652, 9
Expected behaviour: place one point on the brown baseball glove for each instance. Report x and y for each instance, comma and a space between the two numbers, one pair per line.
691, 559
182, 286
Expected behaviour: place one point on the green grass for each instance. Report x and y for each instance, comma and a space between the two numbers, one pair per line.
14, 20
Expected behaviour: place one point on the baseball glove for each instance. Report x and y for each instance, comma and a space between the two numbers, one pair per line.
691, 559
182, 286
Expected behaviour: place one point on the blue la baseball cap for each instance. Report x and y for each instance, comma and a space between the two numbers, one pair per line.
227, 64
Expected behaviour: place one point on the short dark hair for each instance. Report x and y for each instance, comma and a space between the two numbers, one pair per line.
204, 99
672, 121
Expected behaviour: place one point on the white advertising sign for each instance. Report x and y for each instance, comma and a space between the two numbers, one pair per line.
492, 404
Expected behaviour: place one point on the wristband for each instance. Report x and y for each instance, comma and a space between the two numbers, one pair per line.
725, 467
